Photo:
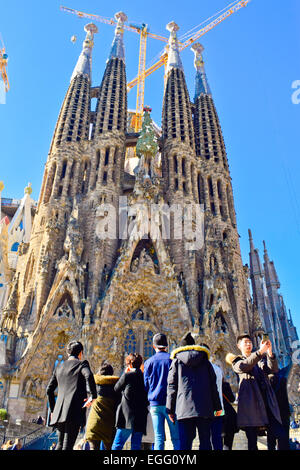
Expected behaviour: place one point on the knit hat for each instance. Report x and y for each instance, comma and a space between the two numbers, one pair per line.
160, 340
187, 340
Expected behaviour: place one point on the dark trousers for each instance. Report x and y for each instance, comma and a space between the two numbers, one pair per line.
187, 432
281, 438
251, 433
67, 435
216, 433
228, 441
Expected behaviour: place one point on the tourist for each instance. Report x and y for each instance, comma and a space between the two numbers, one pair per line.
74, 380
156, 370
257, 405
230, 427
17, 444
8, 445
217, 424
100, 426
192, 393
279, 384
131, 416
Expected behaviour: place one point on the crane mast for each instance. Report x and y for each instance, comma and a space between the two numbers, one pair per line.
144, 33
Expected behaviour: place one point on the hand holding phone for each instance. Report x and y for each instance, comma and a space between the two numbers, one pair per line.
88, 402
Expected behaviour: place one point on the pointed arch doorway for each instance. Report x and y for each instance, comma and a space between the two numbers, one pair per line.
140, 332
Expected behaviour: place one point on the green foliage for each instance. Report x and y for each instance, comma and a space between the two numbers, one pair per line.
147, 141
3, 414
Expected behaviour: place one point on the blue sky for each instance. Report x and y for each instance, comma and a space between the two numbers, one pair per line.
252, 60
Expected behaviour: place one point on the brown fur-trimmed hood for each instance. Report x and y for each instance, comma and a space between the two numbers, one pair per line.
105, 379
231, 358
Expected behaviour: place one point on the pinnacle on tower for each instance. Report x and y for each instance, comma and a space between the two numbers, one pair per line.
201, 83
111, 109
251, 240
84, 63
117, 47
174, 60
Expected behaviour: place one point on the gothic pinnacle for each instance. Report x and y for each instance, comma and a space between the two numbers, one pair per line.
174, 60
84, 63
251, 240
201, 83
117, 47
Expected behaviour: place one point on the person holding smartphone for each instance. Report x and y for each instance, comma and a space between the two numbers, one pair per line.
257, 404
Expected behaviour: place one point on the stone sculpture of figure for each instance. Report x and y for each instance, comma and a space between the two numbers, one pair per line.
135, 265
145, 258
74, 243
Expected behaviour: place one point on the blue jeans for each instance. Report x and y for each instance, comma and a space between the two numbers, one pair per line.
121, 437
159, 415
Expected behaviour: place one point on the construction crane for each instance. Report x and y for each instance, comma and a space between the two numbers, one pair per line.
3, 64
164, 57
143, 31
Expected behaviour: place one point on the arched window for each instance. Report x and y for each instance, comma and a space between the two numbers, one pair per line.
130, 342
148, 345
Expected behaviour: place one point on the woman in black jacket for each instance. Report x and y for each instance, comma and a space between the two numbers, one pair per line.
131, 416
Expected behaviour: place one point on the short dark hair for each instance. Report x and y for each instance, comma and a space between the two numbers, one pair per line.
106, 369
135, 360
160, 341
74, 348
240, 337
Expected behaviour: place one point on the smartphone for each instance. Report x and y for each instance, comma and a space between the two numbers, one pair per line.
87, 402
265, 337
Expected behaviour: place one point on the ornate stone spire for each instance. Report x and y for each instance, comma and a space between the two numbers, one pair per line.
117, 47
174, 60
251, 241
84, 63
270, 271
201, 83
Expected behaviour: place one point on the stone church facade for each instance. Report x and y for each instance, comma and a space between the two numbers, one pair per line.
94, 268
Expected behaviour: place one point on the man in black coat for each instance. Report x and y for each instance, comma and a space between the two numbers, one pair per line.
192, 393
73, 379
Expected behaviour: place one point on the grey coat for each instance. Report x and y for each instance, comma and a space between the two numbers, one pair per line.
255, 389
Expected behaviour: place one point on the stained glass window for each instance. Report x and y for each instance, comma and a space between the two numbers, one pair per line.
130, 342
148, 345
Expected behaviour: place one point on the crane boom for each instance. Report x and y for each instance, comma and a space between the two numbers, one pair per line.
3, 64
190, 41
143, 31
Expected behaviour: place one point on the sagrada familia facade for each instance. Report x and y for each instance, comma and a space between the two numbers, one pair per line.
93, 267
